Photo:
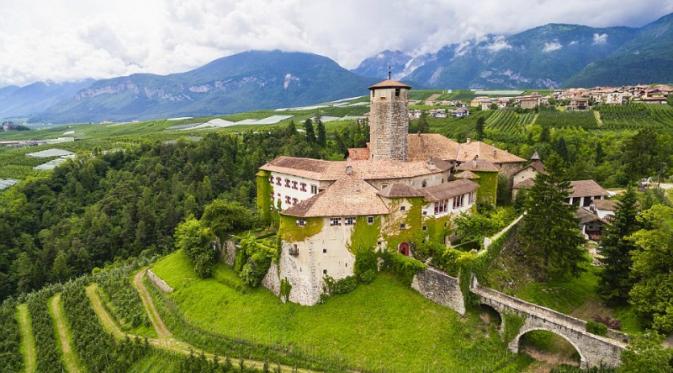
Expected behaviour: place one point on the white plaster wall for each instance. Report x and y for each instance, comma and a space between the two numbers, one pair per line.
292, 193
325, 251
527, 173
417, 182
429, 209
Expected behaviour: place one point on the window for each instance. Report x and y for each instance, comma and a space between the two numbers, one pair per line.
271, 179
403, 226
295, 201
424, 184
441, 206
294, 250
334, 221
314, 189
287, 183
458, 201
287, 200
294, 185
301, 222
370, 220
397, 92
302, 187
277, 181
324, 251
425, 227
324, 271
350, 220
384, 186
403, 208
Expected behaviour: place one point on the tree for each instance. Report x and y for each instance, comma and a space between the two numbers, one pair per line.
598, 158
322, 135
226, 217
544, 135
423, 126
480, 128
549, 231
196, 240
310, 133
616, 247
652, 269
291, 129
562, 149
669, 98
641, 154
645, 354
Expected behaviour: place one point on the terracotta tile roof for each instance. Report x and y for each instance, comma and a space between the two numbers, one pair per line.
317, 169
585, 188
606, 204
348, 196
487, 152
444, 191
358, 154
389, 84
585, 216
537, 165
526, 184
477, 165
426, 145
400, 190
466, 175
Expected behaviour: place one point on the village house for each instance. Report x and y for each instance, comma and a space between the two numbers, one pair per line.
396, 193
460, 112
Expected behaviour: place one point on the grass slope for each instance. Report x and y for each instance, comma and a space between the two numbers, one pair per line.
27, 339
384, 325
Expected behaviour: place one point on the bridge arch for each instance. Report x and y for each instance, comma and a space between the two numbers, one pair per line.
491, 310
514, 343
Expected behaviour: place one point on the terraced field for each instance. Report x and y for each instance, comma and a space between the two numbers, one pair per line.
510, 121
636, 116
573, 119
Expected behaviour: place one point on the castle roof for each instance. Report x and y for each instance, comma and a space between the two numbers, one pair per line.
586, 188
318, 169
477, 165
423, 146
348, 196
487, 152
388, 83
448, 190
358, 154
466, 175
400, 190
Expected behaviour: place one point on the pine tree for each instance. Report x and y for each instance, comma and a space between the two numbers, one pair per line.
600, 154
549, 230
291, 129
615, 282
423, 126
480, 128
562, 149
310, 133
322, 135
544, 135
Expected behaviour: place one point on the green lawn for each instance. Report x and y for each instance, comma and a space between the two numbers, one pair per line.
384, 325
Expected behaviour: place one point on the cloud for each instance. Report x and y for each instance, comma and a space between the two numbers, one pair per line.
498, 44
600, 39
73, 39
551, 46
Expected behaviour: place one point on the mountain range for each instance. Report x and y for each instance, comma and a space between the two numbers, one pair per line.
550, 56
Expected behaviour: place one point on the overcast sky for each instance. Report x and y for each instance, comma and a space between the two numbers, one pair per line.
73, 39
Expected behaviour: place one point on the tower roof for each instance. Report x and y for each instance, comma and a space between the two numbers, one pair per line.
388, 83
535, 156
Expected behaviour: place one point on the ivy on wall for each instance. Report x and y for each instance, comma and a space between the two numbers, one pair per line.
365, 235
437, 228
412, 232
289, 231
264, 190
488, 188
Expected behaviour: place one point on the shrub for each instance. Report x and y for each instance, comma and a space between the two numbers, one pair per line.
365, 266
285, 289
402, 266
195, 239
368, 276
254, 259
343, 286
597, 328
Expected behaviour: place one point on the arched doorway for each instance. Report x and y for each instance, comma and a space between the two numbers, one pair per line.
490, 316
549, 349
404, 248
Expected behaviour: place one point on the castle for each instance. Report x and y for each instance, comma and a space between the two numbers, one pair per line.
399, 191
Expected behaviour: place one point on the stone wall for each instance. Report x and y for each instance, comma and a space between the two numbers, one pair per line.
440, 288
271, 280
159, 282
228, 252
388, 124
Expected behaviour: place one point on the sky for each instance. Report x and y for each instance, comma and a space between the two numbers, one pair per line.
61, 40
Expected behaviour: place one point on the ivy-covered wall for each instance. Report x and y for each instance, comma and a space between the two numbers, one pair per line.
264, 190
437, 228
412, 218
365, 235
488, 188
289, 231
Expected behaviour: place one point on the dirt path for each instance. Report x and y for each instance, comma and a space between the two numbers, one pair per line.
70, 360
27, 338
165, 340
157, 322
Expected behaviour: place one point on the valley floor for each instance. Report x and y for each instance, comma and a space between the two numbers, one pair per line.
383, 326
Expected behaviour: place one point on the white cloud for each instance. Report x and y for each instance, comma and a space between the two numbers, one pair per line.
551, 46
498, 44
72, 39
600, 39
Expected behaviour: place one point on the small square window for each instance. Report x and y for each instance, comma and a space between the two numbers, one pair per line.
324, 251
324, 271
403, 208
403, 226
425, 227
301, 222
314, 189
334, 221
370, 220
349, 220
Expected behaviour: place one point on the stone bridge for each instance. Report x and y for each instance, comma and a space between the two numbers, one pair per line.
594, 350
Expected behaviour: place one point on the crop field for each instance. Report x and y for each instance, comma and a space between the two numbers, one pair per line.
509, 121
636, 116
569, 119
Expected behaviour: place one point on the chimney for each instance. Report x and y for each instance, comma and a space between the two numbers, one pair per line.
467, 141
349, 170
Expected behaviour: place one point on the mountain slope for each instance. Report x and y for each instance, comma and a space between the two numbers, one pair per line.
241, 82
646, 58
23, 101
377, 66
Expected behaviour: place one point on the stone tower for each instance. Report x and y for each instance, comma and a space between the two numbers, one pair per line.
388, 120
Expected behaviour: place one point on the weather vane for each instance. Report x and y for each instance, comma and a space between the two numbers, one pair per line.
389, 72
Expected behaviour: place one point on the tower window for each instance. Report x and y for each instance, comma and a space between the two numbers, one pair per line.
397, 92
403, 208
